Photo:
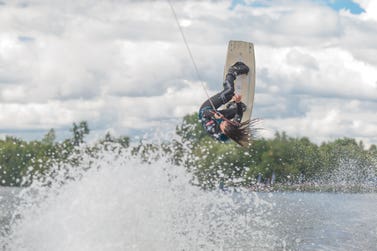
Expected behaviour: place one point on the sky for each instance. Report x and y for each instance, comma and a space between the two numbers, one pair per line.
122, 65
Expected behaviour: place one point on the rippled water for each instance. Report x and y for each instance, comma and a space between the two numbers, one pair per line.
326, 221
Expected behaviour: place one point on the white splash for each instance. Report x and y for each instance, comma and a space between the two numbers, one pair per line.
124, 203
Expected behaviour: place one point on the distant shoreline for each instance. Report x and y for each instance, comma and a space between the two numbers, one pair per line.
304, 187
313, 187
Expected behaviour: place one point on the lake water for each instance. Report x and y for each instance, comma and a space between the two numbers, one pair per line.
301, 221
126, 205
326, 221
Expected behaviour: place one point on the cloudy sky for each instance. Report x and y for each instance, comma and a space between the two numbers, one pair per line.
123, 67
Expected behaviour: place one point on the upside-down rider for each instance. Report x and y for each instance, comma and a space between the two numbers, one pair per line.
226, 123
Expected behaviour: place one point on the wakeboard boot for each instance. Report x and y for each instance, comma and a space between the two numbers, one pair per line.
238, 68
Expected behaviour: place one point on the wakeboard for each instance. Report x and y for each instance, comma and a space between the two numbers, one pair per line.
244, 84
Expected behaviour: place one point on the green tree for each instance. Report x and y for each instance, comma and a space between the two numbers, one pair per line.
49, 137
190, 129
79, 132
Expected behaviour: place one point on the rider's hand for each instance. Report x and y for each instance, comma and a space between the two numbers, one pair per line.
237, 98
217, 116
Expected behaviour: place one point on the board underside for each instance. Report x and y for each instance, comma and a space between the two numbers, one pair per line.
244, 84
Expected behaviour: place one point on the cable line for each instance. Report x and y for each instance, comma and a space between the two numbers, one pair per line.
189, 52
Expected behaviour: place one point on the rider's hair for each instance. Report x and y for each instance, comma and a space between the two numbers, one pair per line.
242, 133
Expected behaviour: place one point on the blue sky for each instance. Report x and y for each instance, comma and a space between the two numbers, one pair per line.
353, 7
337, 5
123, 67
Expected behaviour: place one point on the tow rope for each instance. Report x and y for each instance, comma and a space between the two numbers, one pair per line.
190, 54
235, 123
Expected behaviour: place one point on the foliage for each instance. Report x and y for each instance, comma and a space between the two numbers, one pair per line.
22, 161
282, 159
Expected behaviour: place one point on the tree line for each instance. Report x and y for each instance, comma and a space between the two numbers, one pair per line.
274, 161
280, 160
21, 161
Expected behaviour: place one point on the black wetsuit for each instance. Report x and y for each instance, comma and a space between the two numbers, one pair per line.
233, 112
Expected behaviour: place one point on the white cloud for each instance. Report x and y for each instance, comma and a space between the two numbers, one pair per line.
171, 105
370, 8
123, 65
327, 120
48, 115
321, 72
